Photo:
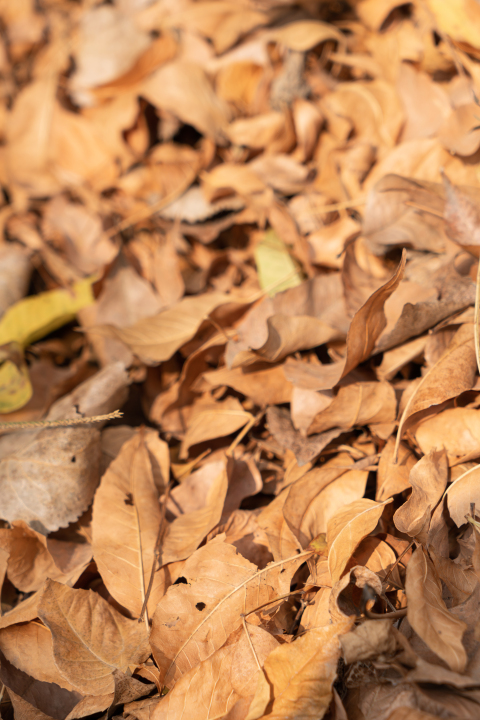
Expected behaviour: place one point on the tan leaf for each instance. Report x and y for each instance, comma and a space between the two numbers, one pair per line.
428, 479
367, 641
28, 646
317, 496
195, 617
347, 528
211, 419
393, 478
453, 374
48, 476
125, 524
33, 558
462, 493
214, 686
456, 429
90, 638
305, 34
365, 329
357, 404
428, 615
183, 89
157, 338
461, 581
265, 386
186, 532
301, 674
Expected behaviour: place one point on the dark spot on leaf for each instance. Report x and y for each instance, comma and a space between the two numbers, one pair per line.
129, 499
200, 606
181, 581
73, 459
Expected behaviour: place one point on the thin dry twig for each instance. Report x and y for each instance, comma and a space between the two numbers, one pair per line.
20, 425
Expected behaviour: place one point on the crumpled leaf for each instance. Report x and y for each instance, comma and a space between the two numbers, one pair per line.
347, 528
428, 615
309, 662
428, 479
453, 374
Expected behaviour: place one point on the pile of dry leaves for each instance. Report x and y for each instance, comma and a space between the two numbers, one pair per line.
252, 226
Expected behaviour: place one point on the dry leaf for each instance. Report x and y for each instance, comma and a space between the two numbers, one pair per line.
219, 584
347, 528
311, 661
90, 638
441, 382
72, 451
428, 615
428, 479
125, 524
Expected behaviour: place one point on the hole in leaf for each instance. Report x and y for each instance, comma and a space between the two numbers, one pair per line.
181, 581
74, 459
129, 499
200, 606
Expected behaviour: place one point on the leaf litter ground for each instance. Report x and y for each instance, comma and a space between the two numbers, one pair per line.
253, 228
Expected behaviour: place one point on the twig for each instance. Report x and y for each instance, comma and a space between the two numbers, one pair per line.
20, 425
397, 561
156, 551
386, 616
253, 421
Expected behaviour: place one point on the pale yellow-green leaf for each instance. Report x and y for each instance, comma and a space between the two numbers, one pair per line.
276, 268
34, 317
15, 386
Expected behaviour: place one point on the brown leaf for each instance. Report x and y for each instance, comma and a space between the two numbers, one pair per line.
66, 459
210, 420
183, 89
33, 558
428, 479
427, 614
216, 685
347, 528
157, 338
195, 618
305, 449
125, 524
301, 674
357, 404
462, 220
90, 638
453, 374
28, 646
455, 429
186, 532
322, 492
264, 385
365, 329
393, 478
367, 641
461, 581
462, 493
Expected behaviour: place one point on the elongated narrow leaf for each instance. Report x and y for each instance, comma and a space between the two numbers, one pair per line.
125, 524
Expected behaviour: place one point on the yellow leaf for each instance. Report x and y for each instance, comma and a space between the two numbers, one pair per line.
15, 386
34, 317
276, 269
24, 323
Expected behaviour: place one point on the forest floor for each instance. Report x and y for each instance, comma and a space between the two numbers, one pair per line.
238, 273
